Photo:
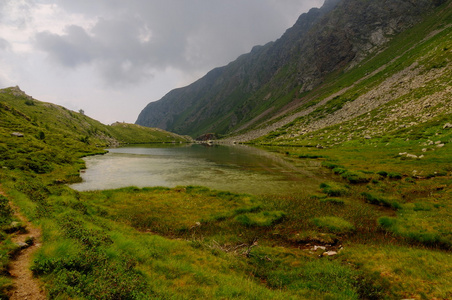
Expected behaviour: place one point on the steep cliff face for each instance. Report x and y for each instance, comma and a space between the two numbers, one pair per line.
258, 85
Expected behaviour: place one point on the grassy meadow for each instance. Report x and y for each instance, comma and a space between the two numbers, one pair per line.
391, 234
387, 228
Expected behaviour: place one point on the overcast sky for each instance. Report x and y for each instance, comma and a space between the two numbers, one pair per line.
112, 57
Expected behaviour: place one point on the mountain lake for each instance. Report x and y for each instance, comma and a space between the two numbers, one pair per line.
235, 168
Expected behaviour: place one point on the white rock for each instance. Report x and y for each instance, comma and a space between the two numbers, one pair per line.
22, 245
17, 134
318, 247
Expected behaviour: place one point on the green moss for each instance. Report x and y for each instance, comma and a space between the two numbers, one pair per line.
261, 219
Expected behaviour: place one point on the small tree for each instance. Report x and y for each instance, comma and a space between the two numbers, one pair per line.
85, 139
41, 135
82, 112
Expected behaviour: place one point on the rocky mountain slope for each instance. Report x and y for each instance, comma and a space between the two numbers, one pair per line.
407, 86
272, 82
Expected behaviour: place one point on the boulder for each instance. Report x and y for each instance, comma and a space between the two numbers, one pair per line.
22, 245
17, 134
318, 247
329, 253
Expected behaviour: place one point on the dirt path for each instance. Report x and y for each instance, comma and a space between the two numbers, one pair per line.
25, 287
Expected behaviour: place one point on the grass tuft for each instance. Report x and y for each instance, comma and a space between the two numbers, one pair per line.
334, 224
333, 189
261, 219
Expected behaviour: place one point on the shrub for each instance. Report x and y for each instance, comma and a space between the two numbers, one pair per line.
35, 190
382, 173
425, 237
317, 197
332, 189
75, 228
311, 279
309, 156
435, 174
394, 175
355, 177
372, 199
339, 170
334, 224
89, 274
29, 102
330, 165
41, 135
247, 209
6, 212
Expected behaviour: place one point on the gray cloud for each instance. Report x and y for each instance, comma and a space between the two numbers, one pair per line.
131, 40
20, 9
70, 50
4, 44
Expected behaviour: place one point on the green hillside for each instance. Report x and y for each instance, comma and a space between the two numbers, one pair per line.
23, 113
40, 137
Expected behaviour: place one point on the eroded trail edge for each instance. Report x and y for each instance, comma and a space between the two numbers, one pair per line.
25, 286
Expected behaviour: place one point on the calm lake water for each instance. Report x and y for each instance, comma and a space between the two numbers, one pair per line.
239, 169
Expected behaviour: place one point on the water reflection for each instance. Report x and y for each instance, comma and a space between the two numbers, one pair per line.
241, 169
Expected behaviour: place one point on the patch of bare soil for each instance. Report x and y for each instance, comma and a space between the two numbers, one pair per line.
25, 286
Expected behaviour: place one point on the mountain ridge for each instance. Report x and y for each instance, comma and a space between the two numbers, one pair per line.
260, 84
216, 82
